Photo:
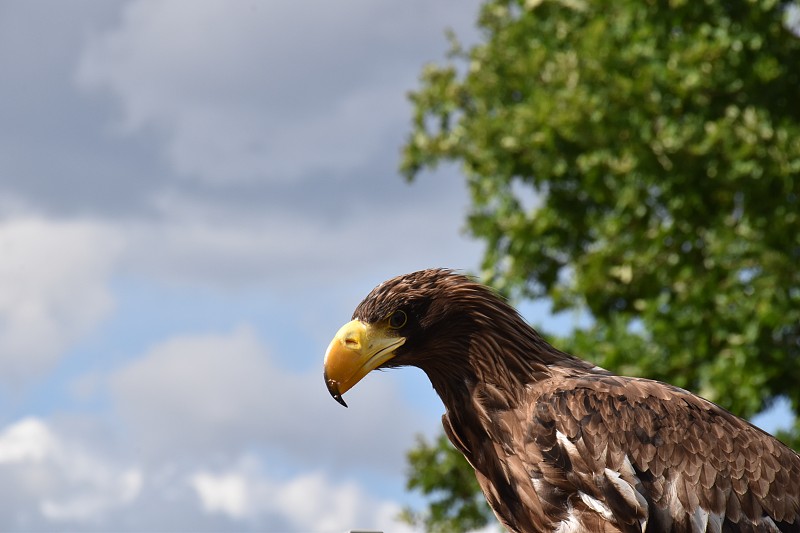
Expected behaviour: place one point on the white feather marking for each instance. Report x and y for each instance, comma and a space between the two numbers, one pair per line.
699, 520
674, 506
571, 524
597, 506
629, 474
629, 493
567, 445
538, 485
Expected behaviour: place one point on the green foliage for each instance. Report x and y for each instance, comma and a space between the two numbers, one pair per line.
639, 160
441, 472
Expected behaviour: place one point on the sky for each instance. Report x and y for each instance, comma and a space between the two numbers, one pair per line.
194, 196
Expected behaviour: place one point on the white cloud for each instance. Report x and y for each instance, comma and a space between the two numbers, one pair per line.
212, 384
319, 505
27, 440
51, 478
54, 277
224, 394
92, 504
205, 243
309, 502
268, 90
264, 101
226, 493
213, 77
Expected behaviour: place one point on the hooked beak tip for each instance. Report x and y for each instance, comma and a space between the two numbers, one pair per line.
338, 398
333, 388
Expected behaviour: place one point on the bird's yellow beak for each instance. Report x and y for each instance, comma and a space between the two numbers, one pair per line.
356, 349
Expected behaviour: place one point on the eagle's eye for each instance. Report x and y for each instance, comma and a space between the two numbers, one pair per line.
398, 319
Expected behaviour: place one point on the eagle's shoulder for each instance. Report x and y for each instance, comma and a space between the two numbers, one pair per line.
641, 452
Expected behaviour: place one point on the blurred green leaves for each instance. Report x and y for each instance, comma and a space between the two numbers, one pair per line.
456, 501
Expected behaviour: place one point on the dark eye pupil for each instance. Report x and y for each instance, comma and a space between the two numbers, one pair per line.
398, 319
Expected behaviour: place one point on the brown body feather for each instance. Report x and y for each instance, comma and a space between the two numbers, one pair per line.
559, 445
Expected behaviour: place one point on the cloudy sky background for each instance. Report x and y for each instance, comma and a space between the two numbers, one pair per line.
194, 195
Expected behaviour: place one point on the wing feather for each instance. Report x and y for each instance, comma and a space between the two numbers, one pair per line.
652, 453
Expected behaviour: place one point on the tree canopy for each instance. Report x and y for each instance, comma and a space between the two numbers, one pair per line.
638, 161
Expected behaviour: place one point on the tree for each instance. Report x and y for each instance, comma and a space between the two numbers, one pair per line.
639, 161
441, 472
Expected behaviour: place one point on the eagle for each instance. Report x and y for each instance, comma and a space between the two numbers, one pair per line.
557, 443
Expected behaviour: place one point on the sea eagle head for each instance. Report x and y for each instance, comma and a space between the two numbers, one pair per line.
420, 319
449, 325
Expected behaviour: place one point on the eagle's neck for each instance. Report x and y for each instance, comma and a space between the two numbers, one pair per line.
502, 353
